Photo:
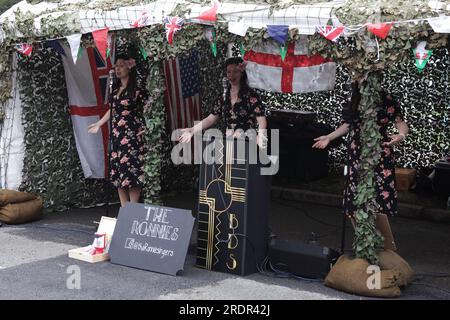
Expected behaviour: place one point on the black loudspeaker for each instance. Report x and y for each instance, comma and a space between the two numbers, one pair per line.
301, 259
442, 179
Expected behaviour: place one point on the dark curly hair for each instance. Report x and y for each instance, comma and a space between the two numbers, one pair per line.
244, 87
131, 85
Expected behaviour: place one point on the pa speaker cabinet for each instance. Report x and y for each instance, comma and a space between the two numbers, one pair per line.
305, 260
232, 210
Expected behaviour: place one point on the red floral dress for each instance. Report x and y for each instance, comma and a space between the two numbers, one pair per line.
127, 154
386, 193
243, 114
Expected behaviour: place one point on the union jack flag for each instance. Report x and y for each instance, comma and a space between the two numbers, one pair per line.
25, 49
330, 32
172, 24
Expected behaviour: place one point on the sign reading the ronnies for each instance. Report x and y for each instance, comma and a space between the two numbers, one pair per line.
151, 237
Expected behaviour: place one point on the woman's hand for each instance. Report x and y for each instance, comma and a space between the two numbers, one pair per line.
186, 136
93, 128
395, 139
321, 142
261, 140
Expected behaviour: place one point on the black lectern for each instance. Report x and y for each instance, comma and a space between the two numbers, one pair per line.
233, 208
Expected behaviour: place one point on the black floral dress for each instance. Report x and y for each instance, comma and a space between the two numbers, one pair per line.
386, 193
127, 154
244, 112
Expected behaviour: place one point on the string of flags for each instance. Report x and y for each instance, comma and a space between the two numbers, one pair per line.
279, 33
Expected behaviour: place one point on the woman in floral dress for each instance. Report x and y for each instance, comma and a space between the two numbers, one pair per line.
127, 152
389, 113
242, 108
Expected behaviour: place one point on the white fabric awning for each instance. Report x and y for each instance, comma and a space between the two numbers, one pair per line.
303, 17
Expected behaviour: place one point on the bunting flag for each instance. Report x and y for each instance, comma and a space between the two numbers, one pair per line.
238, 28
74, 43
210, 14
142, 21
299, 73
421, 55
144, 53
331, 32
440, 25
241, 49
283, 52
210, 35
25, 49
172, 25
279, 33
101, 41
381, 30
111, 40
55, 45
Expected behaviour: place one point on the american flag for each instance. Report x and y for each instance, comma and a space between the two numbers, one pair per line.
183, 105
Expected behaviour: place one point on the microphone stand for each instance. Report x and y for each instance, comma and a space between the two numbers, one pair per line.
110, 142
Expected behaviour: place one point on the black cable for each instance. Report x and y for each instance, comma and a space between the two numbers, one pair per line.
54, 229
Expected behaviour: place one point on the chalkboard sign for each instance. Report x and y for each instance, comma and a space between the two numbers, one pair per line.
151, 237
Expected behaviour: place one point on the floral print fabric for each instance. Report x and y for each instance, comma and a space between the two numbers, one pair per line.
386, 193
243, 114
127, 154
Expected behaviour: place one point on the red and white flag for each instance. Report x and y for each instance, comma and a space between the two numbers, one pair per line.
298, 73
182, 97
172, 25
25, 49
87, 88
330, 32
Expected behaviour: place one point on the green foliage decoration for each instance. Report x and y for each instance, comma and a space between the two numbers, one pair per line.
51, 164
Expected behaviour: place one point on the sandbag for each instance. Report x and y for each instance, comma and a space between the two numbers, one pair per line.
12, 196
390, 260
351, 275
17, 213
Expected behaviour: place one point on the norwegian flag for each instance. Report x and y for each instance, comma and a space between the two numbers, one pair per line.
141, 21
25, 49
172, 24
330, 32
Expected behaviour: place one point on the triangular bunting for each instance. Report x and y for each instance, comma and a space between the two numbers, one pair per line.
144, 53
330, 32
172, 25
101, 41
279, 33
242, 49
238, 28
381, 30
441, 24
25, 49
283, 52
210, 14
56, 46
210, 35
74, 43
421, 55
142, 21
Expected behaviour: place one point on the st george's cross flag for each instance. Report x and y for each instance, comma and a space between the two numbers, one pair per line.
297, 73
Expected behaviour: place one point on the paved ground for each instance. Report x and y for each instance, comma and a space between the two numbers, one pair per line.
34, 262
